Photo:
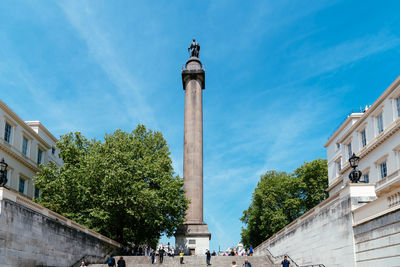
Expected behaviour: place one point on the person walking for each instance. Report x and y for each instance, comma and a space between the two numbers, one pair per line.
251, 250
121, 262
161, 252
234, 264
82, 264
246, 263
208, 257
111, 261
181, 257
285, 262
153, 256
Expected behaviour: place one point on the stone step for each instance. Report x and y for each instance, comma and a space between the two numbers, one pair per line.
194, 261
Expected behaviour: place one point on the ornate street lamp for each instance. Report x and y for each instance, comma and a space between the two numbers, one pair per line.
355, 174
3, 172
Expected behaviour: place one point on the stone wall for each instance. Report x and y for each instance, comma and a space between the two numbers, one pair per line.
31, 235
324, 235
378, 241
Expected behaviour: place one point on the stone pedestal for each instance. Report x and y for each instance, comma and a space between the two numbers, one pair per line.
193, 237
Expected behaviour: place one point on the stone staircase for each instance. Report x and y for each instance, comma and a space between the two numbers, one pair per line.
194, 261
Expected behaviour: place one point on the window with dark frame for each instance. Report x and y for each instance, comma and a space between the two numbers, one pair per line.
366, 178
398, 106
7, 132
39, 156
379, 120
349, 150
22, 185
37, 192
24, 145
383, 168
363, 138
339, 165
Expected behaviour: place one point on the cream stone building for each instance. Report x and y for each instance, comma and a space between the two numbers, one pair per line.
374, 136
24, 145
359, 224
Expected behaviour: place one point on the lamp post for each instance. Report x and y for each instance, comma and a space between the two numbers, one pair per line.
355, 174
3, 172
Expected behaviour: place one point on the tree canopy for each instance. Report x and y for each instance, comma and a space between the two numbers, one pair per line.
124, 188
280, 198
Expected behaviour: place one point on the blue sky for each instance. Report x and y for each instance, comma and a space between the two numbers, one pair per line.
280, 76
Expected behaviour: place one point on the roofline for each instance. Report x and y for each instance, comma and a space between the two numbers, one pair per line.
10, 112
42, 127
342, 126
374, 106
371, 109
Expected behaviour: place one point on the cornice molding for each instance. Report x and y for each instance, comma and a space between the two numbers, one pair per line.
22, 123
341, 127
372, 108
18, 158
378, 140
44, 129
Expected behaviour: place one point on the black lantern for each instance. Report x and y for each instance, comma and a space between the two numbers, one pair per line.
355, 175
3, 172
354, 161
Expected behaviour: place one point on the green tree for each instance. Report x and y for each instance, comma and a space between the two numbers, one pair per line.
124, 187
280, 198
276, 202
314, 181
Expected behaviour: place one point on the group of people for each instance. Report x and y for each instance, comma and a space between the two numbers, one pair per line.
245, 264
161, 252
111, 262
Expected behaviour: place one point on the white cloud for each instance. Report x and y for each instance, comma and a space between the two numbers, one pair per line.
84, 19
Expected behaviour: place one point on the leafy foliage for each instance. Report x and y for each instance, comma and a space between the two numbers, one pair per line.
123, 188
314, 181
280, 198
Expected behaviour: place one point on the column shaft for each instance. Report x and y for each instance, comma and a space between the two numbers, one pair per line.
193, 150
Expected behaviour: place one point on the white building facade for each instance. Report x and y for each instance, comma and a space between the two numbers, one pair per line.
24, 146
359, 224
374, 136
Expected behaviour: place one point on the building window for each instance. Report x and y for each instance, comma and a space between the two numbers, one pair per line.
6, 175
363, 138
24, 145
22, 185
339, 165
398, 106
383, 168
7, 133
366, 178
337, 146
37, 192
349, 150
53, 150
379, 121
39, 156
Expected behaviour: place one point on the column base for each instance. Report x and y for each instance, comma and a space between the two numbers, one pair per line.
192, 238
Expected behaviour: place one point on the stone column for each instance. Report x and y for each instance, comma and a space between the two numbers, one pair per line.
193, 139
193, 236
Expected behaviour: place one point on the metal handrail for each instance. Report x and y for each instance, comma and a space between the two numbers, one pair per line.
281, 256
293, 262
